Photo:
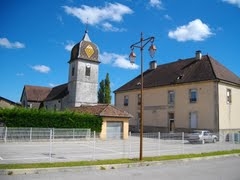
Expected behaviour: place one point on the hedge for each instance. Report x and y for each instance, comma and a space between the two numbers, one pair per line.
22, 117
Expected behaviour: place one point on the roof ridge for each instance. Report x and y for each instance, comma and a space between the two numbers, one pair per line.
209, 59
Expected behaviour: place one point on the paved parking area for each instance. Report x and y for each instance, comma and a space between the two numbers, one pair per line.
30, 152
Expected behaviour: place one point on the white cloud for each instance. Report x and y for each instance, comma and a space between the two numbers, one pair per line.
41, 68
117, 60
69, 45
109, 27
156, 3
60, 19
52, 85
99, 15
193, 31
166, 16
10, 45
19, 74
234, 2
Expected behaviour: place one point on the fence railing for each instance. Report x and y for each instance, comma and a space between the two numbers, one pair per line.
27, 145
42, 134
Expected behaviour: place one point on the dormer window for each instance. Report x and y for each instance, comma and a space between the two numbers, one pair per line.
180, 77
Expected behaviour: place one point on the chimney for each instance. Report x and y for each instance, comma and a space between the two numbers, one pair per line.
153, 65
198, 55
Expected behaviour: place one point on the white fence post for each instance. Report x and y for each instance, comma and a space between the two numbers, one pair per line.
159, 137
183, 142
94, 144
53, 134
50, 145
73, 133
5, 135
130, 144
30, 134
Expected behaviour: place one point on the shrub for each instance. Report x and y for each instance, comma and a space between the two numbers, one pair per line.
22, 117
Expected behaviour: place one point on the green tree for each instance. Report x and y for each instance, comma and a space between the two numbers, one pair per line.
104, 92
101, 92
107, 95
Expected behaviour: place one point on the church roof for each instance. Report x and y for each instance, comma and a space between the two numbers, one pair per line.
85, 49
105, 110
183, 71
58, 92
36, 93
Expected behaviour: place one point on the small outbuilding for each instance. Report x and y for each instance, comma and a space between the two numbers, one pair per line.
115, 120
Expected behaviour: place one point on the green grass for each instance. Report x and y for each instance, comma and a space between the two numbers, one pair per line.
116, 161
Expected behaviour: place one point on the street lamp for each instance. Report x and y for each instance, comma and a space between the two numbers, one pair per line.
152, 49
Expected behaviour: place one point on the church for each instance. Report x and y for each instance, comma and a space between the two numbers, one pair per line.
80, 93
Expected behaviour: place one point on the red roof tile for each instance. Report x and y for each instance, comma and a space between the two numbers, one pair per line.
105, 110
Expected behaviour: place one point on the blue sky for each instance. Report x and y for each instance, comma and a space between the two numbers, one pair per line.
36, 36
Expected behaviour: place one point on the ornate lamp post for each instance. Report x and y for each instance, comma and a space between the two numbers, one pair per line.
152, 49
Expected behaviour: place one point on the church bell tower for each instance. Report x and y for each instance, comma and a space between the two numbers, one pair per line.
83, 73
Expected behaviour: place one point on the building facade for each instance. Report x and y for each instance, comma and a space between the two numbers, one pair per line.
188, 94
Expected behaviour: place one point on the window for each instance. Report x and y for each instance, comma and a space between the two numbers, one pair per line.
73, 69
171, 97
192, 95
139, 99
87, 72
125, 101
229, 96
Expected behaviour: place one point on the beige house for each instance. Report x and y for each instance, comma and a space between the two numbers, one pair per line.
6, 103
193, 93
80, 93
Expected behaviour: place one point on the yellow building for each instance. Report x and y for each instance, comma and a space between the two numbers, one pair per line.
193, 93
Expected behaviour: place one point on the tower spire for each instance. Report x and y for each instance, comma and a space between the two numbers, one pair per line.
86, 37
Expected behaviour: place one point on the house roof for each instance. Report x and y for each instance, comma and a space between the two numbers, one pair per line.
183, 71
36, 93
9, 101
105, 110
57, 92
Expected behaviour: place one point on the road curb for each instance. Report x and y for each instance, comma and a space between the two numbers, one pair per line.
104, 167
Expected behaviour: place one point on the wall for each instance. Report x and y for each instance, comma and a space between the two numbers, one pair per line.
229, 112
156, 106
5, 104
83, 89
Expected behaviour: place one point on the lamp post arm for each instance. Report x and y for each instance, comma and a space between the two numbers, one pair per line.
147, 40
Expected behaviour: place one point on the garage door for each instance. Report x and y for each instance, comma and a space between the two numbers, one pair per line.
114, 130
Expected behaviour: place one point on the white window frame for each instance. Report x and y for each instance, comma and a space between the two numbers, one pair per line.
171, 97
193, 96
229, 96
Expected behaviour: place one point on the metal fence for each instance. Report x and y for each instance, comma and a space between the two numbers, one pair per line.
42, 134
20, 145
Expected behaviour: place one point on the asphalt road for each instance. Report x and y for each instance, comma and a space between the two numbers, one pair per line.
208, 169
